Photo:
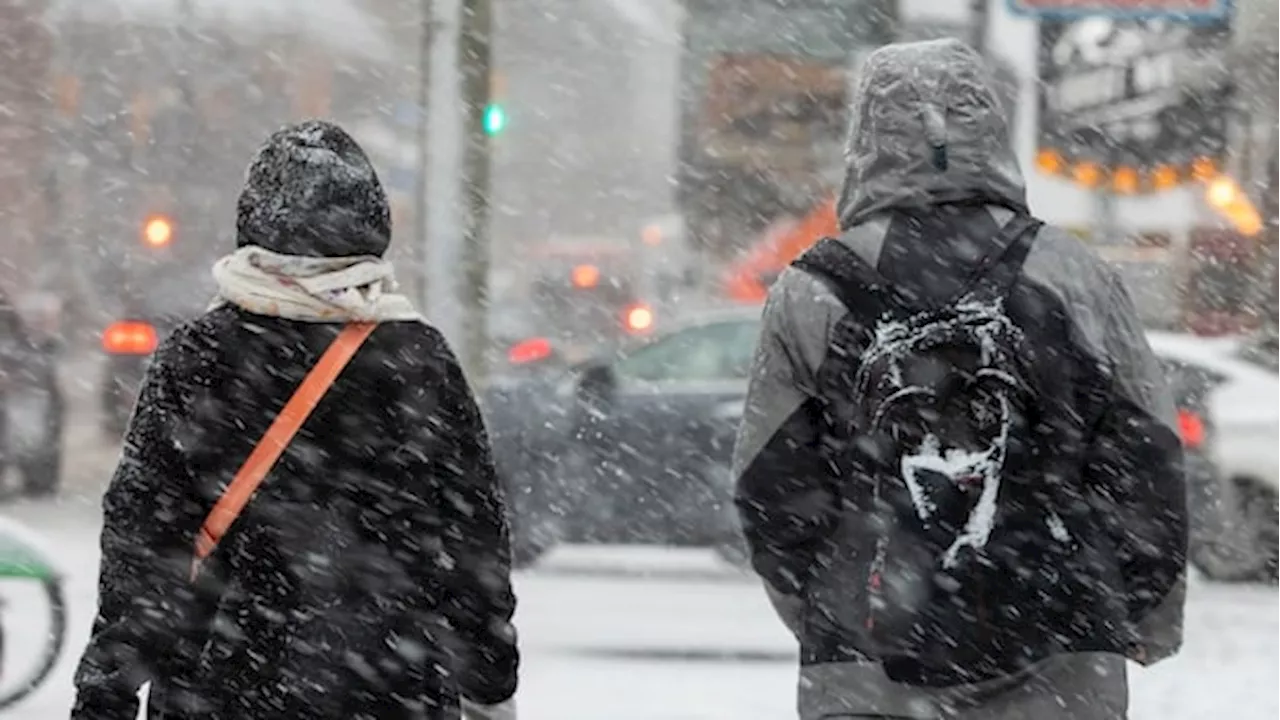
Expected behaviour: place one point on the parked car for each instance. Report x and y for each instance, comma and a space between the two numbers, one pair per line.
31, 405
1230, 420
630, 447
149, 311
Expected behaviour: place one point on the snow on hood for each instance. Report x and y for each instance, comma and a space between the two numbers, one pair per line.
336, 23
927, 128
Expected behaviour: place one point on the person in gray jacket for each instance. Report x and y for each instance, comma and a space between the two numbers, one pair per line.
958, 473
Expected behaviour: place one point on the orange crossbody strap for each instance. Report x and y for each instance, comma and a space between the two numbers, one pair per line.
277, 438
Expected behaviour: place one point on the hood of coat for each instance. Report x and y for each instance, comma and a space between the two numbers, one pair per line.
927, 128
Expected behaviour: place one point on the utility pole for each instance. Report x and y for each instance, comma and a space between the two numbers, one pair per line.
1264, 295
1107, 210
425, 35
980, 15
1269, 277
27, 48
1254, 45
474, 60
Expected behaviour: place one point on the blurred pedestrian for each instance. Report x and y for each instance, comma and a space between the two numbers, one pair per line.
369, 574
13, 338
958, 471
21, 365
13, 346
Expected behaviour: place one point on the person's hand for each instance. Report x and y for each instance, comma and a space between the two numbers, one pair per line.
505, 710
1138, 654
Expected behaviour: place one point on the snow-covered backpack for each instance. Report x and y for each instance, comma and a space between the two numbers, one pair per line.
945, 458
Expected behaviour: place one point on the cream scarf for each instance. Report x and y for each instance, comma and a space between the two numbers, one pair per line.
311, 289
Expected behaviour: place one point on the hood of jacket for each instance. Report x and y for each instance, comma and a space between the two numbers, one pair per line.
927, 128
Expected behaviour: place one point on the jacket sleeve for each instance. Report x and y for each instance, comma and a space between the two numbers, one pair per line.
1135, 461
783, 495
479, 602
143, 593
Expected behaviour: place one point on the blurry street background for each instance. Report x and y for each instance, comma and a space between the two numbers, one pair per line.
606, 173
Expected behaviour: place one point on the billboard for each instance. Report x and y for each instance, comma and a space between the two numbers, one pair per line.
1142, 103
1206, 10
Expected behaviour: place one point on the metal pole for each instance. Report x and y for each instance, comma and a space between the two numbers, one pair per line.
980, 14
1268, 279
423, 160
1106, 216
474, 60
1106, 210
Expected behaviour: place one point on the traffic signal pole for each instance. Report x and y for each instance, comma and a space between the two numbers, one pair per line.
980, 15
474, 60
421, 252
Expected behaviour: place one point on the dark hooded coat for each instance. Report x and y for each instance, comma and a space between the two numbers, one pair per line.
932, 177
369, 575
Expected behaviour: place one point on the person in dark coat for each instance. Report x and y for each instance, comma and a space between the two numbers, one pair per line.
13, 343
369, 577
932, 191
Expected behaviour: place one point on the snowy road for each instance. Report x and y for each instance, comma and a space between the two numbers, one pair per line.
647, 634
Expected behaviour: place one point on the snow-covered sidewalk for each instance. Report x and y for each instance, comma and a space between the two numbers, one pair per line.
673, 635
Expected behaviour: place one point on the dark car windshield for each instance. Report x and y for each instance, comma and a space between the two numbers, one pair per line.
580, 321
720, 350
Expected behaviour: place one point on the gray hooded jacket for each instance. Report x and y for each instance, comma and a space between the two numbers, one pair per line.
931, 178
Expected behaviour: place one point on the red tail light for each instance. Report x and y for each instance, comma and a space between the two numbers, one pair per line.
529, 351
585, 276
130, 337
1191, 428
638, 318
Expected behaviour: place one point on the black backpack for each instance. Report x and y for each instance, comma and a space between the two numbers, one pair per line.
942, 449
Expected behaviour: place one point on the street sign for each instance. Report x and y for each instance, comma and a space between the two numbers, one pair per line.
1205, 10
1141, 104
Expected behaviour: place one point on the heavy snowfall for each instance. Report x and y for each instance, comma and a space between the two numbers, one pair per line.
602, 367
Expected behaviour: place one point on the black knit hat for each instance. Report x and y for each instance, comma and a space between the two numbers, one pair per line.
312, 191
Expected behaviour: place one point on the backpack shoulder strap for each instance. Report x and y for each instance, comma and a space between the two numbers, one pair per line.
861, 286
277, 439
858, 285
1000, 267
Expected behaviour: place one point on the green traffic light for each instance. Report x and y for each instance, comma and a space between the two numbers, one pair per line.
495, 119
